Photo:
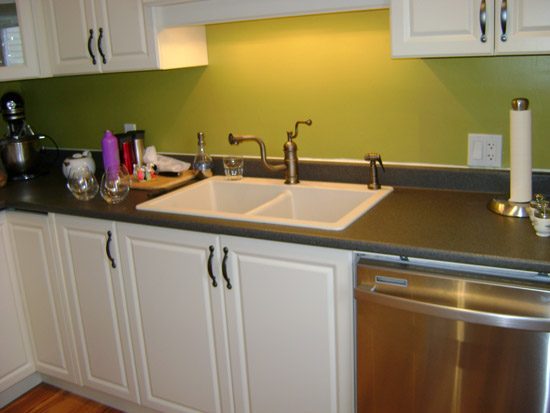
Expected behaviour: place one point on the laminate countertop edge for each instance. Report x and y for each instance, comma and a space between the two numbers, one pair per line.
444, 225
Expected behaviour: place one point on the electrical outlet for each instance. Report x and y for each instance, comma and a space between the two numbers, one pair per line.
129, 127
484, 150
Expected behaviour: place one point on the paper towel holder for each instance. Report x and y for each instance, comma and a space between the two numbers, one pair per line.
504, 206
509, 208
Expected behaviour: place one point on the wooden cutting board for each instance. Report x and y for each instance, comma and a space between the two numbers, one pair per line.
164, 182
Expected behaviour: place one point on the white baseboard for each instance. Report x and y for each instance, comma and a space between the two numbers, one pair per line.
97, 396
20, 388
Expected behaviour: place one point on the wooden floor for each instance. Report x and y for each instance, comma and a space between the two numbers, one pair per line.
48, 399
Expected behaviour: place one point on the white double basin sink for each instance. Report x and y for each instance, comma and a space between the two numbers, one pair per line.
310, 204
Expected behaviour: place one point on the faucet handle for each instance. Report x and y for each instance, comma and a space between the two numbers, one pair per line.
294, 135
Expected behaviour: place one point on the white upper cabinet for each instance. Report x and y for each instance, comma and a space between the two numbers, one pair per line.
441, 28
89, 36
525, 25
94, 36
19, 50
183, 12
431, 28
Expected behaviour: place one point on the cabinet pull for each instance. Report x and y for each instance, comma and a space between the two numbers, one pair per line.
503, 19
108, 248
210, 271
90, 51
224, 268
99, 40
483, 20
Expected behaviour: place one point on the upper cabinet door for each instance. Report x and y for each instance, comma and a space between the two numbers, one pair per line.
18, 47
94, 36
122, 42
72, 36
425, 28
522, 26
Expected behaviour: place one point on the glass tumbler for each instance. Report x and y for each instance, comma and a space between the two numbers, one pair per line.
82, 183
233, 167
115, 184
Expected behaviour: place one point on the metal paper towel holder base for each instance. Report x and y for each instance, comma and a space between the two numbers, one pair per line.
508, 208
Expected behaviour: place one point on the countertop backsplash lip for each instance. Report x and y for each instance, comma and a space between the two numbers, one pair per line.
458, 178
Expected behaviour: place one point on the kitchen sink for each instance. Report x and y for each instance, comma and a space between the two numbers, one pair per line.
310, 204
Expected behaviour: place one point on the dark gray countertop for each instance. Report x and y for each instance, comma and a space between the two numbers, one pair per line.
424, 223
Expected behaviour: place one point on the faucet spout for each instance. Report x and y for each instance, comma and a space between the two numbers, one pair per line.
290, 165
237, 139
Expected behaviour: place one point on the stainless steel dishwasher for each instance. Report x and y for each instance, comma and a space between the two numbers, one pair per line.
451, 340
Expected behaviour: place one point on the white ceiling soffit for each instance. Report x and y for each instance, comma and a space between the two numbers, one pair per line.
170, 13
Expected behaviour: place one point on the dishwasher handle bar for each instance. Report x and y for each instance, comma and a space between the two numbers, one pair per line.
363, 293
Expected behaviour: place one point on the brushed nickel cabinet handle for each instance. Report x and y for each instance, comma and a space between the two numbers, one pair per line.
483, 20
503, 19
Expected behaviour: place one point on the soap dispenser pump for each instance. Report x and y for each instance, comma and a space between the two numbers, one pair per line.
202, 164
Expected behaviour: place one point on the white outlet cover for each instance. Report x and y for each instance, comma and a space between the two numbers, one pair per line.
129, 127
484, 150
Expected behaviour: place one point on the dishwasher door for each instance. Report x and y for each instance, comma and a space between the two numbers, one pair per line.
433, 341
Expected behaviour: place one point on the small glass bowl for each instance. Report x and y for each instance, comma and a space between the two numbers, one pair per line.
115, 185
82, 183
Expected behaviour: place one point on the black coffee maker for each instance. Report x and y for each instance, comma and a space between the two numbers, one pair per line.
21, 149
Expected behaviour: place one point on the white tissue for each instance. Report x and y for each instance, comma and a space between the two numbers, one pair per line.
520, 156
164, 163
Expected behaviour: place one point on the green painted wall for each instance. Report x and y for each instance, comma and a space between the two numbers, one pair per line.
335, 69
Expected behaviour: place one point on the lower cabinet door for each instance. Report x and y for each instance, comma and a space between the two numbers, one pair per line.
92, 270
15, 351
289, 312
179, 333
43, 295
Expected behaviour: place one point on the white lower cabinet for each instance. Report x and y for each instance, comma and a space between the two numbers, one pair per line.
199, 322
91, 267
178, 328
289, 317
272, 333
15, 351
43, 295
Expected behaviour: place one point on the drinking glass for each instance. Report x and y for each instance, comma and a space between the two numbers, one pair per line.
233, 167
82, 183
115, 184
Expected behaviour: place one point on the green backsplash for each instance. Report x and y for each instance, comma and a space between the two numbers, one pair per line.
335, 69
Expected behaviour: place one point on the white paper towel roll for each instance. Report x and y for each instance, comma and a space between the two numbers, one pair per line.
520, 153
